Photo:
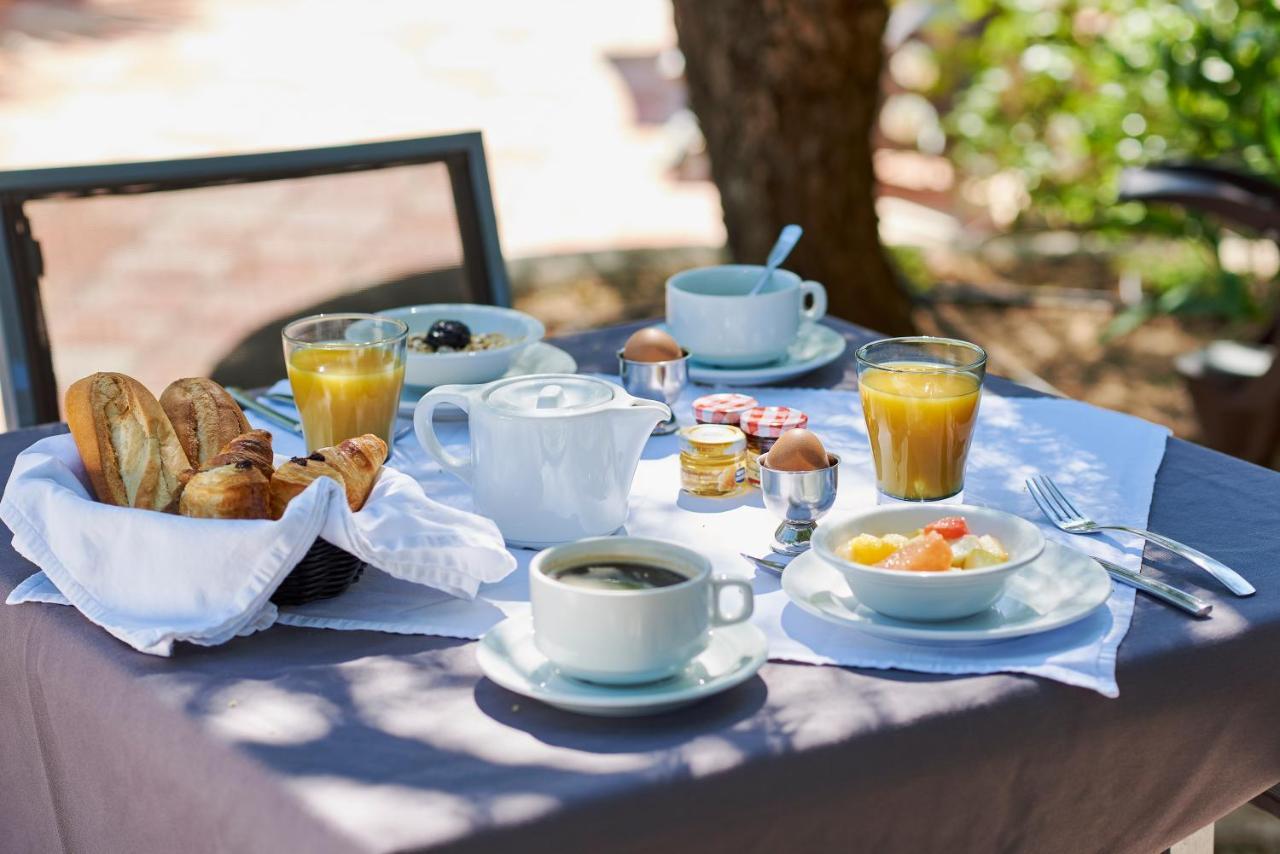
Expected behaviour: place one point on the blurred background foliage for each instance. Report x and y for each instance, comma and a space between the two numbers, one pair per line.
1040, 105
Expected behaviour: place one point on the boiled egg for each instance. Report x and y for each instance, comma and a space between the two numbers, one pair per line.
797, 450
651, 345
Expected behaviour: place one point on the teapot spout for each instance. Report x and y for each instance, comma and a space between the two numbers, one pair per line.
644, 415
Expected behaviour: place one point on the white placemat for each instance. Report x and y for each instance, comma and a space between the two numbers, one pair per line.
1104, 460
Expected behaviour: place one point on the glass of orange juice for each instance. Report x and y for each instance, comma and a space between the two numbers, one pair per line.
346, 371
920, 399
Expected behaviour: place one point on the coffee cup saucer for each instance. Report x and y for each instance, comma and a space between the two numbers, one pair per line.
815, 346
509, 657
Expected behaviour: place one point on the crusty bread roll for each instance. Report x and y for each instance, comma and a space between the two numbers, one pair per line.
353, 463
253, 447
128, 446
203, 415
231, 491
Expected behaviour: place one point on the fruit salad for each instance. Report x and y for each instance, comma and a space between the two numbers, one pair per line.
941, 545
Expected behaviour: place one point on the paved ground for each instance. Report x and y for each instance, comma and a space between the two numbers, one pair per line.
163, 286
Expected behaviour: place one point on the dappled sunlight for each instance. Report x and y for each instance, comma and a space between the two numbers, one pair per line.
419, 704
264, 712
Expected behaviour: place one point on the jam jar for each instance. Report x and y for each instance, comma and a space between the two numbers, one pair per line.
724, 408
763, 425
711, 459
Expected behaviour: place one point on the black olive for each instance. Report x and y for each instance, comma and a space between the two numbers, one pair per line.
448, 333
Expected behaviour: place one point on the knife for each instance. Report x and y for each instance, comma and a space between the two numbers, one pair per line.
247, 402
1167, 593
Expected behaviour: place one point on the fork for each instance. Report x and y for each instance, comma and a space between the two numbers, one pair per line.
1064, 515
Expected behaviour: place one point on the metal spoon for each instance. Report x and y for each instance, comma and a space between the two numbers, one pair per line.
787, 240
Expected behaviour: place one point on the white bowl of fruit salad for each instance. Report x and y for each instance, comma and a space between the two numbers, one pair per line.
929, 562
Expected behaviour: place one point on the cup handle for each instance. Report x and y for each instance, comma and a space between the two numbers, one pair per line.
718, 586
425, 429
819, 308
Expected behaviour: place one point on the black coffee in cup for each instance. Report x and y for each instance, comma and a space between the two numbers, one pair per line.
618, 575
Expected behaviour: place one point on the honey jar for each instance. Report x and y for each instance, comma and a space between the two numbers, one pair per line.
722, 408
762, 426
711, 459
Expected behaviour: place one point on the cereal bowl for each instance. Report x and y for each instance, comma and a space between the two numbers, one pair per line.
928, 596
426, 369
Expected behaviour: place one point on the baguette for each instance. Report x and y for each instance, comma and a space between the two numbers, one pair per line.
231, 491
204, 417
129, 448
353, 463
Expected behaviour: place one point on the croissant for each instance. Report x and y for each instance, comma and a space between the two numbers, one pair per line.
254, 447
235, 490
353, 463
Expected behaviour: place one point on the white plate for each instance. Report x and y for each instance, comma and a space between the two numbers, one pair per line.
815, 346
539, 358
1055, 590
508, 656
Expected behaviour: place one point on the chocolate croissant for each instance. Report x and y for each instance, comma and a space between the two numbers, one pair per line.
353, 463
232, 491
253, 446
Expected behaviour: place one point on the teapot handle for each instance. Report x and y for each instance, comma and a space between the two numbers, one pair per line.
425, 429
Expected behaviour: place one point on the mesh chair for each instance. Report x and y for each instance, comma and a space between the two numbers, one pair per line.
1235, 386
190, 267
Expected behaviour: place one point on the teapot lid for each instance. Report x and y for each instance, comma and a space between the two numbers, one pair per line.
551, 394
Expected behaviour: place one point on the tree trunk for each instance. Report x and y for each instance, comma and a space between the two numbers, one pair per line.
786, 92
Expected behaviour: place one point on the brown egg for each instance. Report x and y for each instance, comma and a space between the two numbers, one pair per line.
797, 450
651, 345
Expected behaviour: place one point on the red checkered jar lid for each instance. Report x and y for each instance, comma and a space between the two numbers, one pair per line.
770, 422
722, 408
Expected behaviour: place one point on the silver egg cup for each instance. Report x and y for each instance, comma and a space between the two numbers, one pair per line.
800, 498
661, 381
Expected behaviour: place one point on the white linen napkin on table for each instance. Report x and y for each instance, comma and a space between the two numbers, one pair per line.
1105, 461
153, 578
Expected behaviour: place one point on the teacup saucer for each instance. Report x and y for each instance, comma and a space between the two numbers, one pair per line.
508, 656
1056, 589
815, 346
538, 358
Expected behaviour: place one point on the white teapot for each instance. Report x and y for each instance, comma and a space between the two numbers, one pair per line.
552, 455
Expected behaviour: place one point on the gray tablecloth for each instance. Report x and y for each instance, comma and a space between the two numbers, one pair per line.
307, 740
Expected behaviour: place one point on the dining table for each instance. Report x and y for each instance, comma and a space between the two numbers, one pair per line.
297, 739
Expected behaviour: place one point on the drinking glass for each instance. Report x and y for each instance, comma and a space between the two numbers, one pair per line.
346, 371
920, 399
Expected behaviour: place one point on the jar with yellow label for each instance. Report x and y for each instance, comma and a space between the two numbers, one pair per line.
711, 459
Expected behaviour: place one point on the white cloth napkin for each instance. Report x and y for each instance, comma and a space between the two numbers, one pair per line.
153, 578
1104, 460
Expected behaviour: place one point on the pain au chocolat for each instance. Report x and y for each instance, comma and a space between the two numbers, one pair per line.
353, 463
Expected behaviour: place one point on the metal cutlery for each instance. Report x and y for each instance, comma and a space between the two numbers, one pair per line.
1063, 514
774, 566
249, 403
1167, 593
280, 419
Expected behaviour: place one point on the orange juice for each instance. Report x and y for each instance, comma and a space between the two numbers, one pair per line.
920, 419
342, 392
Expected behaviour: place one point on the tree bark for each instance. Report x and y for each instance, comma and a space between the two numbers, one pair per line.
786, 92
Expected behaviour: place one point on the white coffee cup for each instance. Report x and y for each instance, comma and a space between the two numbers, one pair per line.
624, 637
711, 315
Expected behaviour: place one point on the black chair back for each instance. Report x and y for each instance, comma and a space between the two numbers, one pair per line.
176, 287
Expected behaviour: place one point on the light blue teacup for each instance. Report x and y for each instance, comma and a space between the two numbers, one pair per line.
710, 313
